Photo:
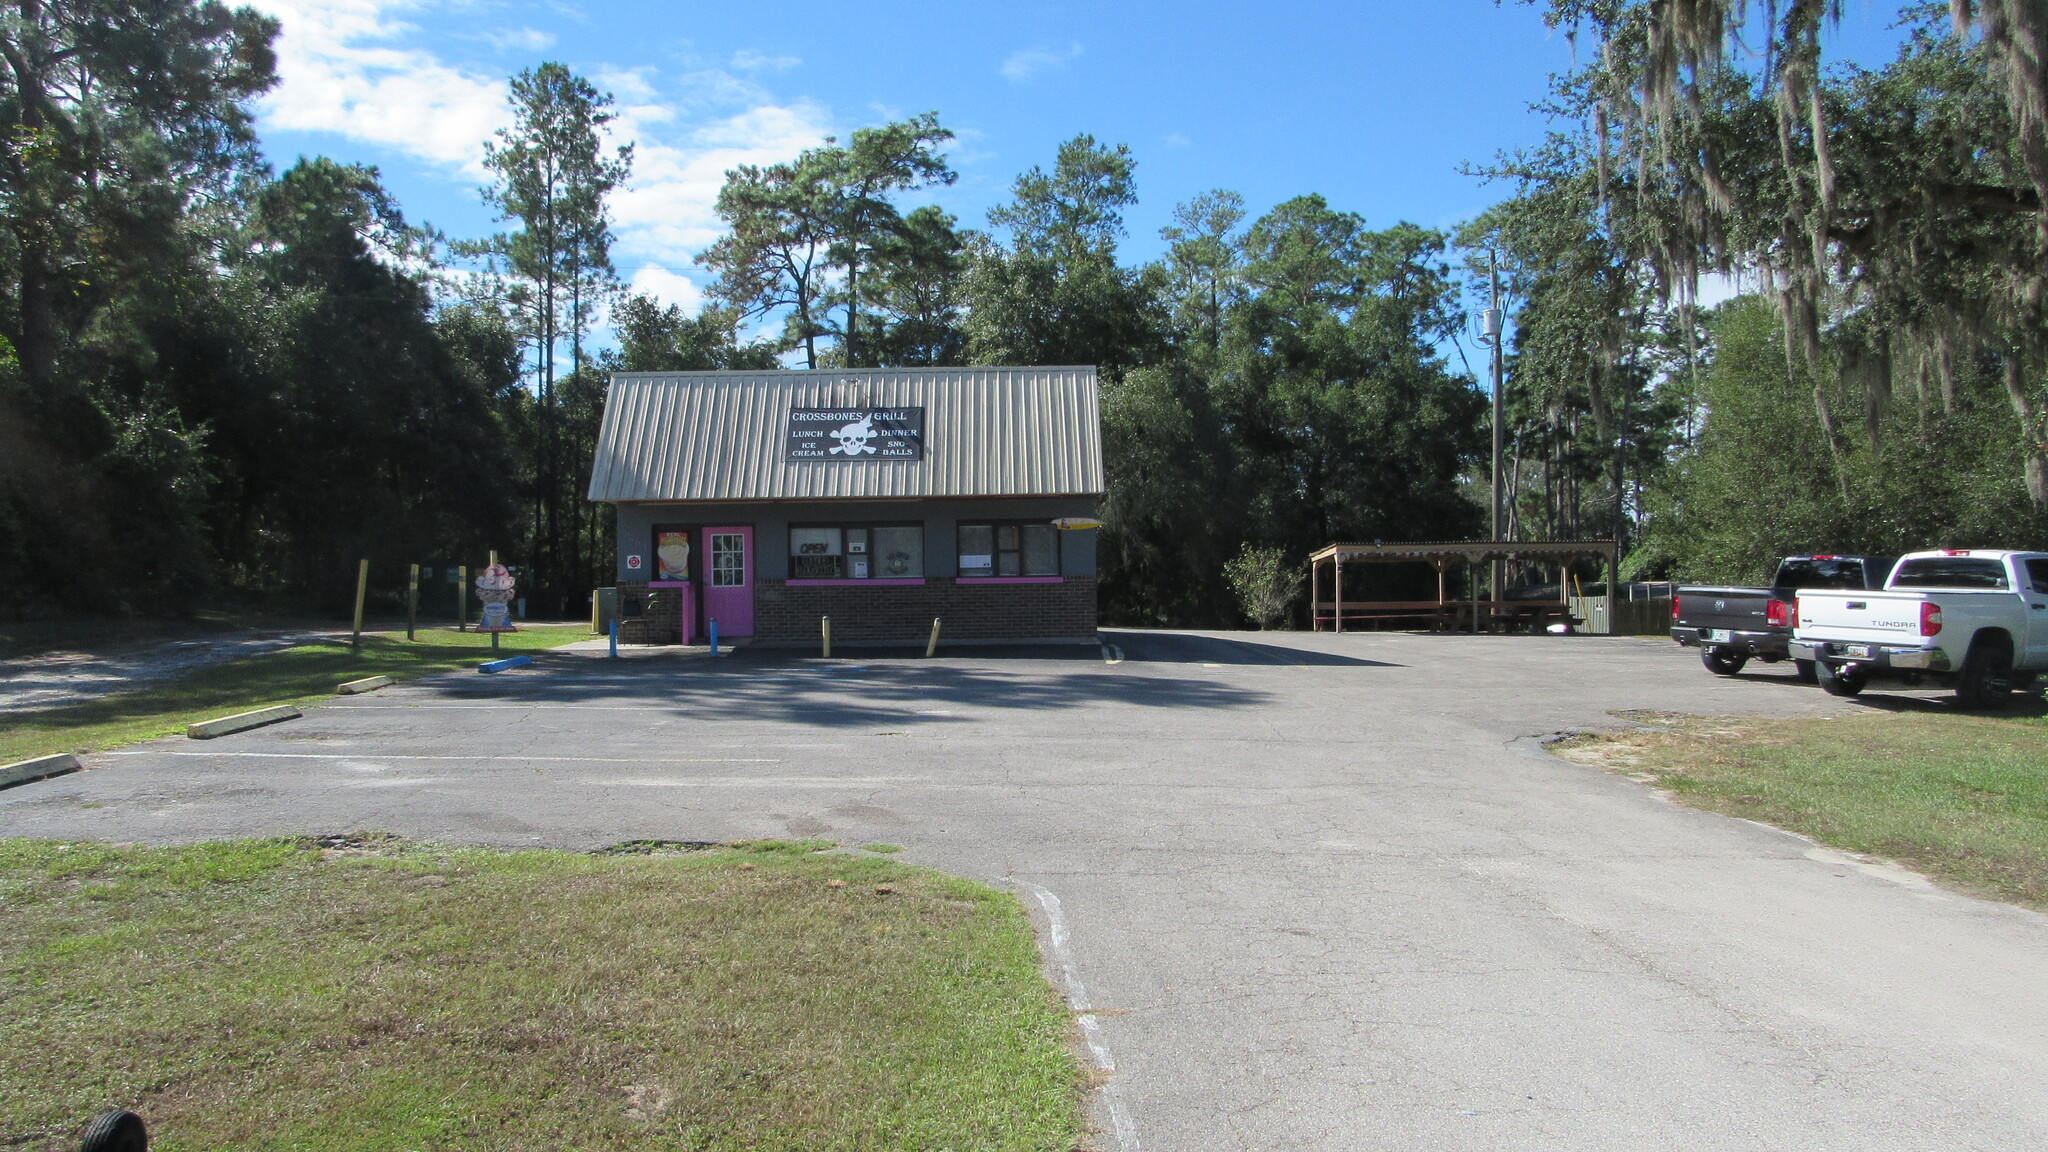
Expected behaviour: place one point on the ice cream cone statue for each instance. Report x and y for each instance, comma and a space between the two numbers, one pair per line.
494, 588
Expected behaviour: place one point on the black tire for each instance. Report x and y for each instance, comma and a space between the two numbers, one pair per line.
1803, 669
1723, 661
115, 1131
1987, 676
1847, 680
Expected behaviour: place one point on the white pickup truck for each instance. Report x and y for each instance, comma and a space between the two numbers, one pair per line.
1976, 619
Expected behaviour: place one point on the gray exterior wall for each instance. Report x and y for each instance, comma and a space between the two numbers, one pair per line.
771, 521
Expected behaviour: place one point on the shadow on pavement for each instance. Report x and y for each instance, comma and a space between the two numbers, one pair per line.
781, 687
2018, 708
1181, 648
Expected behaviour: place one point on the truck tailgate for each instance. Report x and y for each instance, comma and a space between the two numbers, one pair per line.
1863, 617
1739, 609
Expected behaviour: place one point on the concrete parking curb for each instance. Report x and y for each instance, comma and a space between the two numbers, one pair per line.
40, 768
366, 684
241, 722
507, 663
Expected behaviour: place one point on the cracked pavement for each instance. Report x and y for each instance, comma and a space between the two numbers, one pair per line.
1323, 891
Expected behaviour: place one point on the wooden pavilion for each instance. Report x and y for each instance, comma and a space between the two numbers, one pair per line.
1443, 613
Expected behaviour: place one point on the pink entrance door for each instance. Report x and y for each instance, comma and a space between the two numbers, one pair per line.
729, 580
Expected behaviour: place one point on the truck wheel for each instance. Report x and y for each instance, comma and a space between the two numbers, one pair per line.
1804, 671
1847, 680
115, 1131
1723, 661
1986, 678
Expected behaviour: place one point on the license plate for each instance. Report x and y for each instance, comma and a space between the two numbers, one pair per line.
1862, 650
1718, 635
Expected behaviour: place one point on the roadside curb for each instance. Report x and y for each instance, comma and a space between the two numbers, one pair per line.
40, 768
366, 684
241, 722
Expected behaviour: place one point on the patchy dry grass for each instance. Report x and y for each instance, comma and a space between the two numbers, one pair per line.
307, 672
277, 994
1963, 798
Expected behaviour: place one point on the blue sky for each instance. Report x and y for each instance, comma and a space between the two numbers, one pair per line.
1375, 105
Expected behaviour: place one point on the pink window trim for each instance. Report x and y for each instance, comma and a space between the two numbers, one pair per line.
899, 582
1010, 580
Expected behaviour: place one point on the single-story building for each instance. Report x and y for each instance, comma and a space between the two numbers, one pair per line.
879, 497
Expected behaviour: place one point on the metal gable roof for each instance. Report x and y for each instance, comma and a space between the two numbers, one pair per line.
721, 435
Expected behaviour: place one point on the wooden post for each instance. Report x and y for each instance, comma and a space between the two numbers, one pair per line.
1337, 577
462, 599
1614, 588
362, 586
1473, 576
412, 604
1314, 624
825, 626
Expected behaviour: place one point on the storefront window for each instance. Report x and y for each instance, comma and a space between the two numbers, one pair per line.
671, 555
868, 552
1009, 550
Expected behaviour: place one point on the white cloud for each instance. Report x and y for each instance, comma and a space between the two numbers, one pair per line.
341, 72
668, 287
666, 213
1175, 140
748, 60
353, 67
520, 39
1025, 63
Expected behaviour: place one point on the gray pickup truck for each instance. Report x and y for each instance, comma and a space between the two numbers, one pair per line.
1731, 625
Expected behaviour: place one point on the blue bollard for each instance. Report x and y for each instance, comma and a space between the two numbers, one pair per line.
615, 639
714, 636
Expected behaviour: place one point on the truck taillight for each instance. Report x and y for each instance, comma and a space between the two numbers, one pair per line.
1778, 614
1674, 609
1930, 618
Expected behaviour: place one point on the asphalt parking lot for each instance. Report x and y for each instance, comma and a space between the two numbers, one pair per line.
1316, 892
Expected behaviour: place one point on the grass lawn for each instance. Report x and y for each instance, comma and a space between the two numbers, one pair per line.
307, 672
275, 994
1963, 798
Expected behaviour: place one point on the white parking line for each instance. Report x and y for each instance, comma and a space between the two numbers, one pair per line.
1091, 1030
511, 756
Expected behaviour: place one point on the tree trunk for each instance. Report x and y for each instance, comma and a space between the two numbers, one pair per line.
2034, 436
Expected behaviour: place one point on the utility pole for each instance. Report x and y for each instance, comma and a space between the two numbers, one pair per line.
1493, 326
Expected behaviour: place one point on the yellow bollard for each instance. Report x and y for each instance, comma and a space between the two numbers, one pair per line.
825, 624
362, 586
933, 647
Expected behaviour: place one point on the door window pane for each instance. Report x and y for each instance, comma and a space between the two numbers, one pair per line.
899, 553
1041, 550
728, 560
2037, 571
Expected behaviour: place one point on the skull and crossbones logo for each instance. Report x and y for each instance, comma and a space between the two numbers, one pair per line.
853, 438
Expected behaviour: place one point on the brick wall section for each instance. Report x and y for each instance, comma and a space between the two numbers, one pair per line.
898, 613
